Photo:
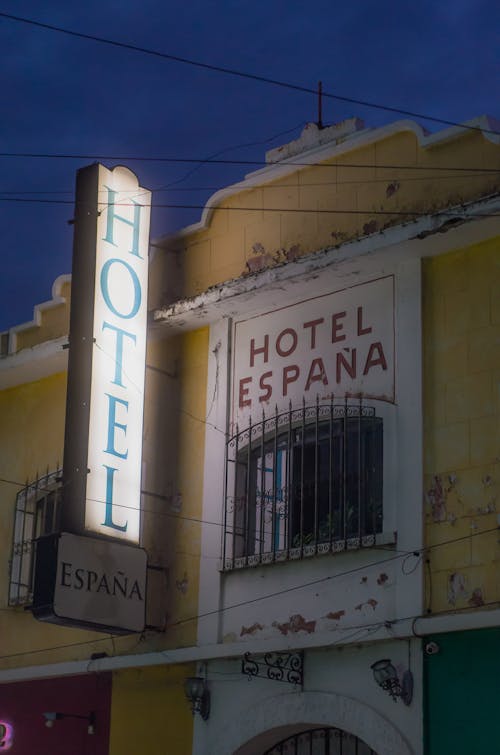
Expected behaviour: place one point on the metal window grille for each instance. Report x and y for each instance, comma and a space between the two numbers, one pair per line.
36, 514
325, 741
302, 482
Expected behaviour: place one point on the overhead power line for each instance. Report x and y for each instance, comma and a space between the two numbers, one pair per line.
180, 517
305, 210
241, 185
241, 74
325, 578
398, 555
251, 163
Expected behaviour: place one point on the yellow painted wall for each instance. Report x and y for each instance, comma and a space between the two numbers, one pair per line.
31, 442
32, 419
461, 309
247, 231
149, 712
174, 452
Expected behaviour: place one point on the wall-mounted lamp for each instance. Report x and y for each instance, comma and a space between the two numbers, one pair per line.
52, 716
198, 694
386, 677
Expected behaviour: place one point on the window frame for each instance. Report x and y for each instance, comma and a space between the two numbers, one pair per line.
279, 432
36, 514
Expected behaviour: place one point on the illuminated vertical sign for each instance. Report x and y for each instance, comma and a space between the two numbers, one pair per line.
104, 416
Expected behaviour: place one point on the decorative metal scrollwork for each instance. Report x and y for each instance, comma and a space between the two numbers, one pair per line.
280, 667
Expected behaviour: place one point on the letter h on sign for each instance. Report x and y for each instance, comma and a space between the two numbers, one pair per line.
135, 223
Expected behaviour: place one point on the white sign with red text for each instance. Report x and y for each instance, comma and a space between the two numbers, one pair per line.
337, 344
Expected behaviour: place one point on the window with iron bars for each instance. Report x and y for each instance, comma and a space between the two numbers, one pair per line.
36, 514
302, 482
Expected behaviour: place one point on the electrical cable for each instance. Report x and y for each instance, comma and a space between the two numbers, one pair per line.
417, 552
413, 552
292, 589
317, 211
270, 187
400, 555
64, 647
240, 74
374, 625
251, 163
223, 151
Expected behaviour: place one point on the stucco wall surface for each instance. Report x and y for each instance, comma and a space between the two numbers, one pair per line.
282, 212
149, 712
461, 320
339, 690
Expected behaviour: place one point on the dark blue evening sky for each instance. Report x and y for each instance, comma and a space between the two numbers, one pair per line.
62, 94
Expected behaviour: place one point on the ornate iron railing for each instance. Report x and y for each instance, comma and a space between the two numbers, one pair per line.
321, 741
280, 667
302, 482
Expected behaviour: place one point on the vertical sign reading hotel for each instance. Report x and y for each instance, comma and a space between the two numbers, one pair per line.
104, 415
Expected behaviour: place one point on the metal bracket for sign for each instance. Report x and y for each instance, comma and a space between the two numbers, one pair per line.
279, 667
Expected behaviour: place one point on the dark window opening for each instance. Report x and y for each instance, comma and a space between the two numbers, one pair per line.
308, 478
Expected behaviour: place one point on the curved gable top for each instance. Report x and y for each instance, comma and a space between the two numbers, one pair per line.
483, 124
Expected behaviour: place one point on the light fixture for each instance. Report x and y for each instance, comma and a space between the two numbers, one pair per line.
52, 716
198, 694
386, 677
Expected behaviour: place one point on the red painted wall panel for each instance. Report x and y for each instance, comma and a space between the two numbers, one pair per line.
22, 705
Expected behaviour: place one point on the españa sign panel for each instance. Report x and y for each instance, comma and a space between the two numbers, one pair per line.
83, 581
104, 416
336, 345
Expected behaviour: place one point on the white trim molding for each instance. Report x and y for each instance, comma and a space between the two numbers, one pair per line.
311, 709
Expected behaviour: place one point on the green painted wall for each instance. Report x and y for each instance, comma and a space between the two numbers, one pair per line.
462, 681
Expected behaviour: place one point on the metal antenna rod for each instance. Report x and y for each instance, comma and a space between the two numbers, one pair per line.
320, 104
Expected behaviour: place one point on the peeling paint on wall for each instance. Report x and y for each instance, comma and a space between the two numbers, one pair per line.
292, 253
296, 623
339, 235
335, 615
176, 503
456, 588
370, 227
476, 598
252, 630
182, 584
392, 188
370, 602
436, 497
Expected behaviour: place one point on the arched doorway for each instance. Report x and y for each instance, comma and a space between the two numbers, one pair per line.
279, 718
321, 741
